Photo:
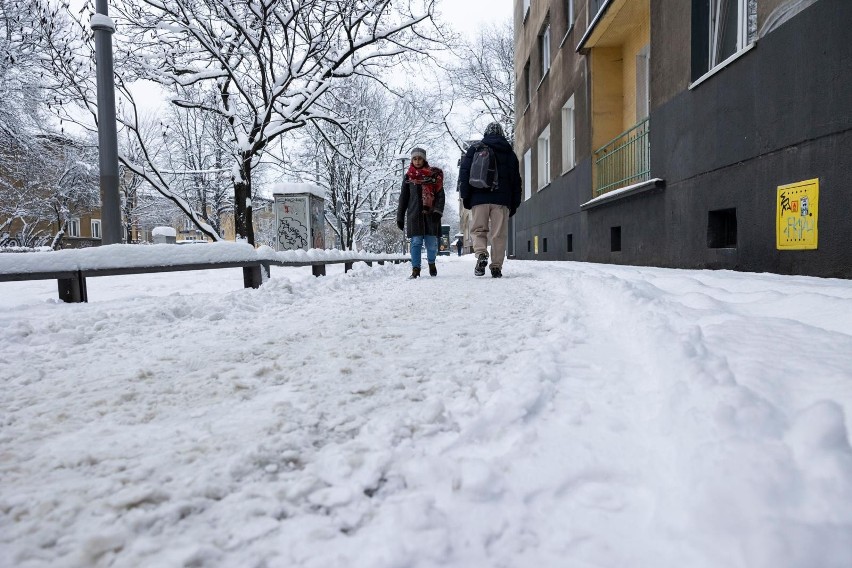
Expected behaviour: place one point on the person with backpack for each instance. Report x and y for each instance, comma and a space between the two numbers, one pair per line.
490, 186
419, 211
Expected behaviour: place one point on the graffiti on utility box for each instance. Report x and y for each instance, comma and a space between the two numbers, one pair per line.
299, 215
796, 220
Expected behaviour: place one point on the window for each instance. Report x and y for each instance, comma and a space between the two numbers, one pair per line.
544, 244
568, 135
544, 158
595, 7
720, 29
527, 85
722, 228
96, 228
570, 243
528, 174
526, 9
569, 16
73, 227
529, 246
615, 239
544, 49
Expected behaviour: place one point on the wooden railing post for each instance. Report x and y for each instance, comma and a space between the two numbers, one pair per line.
73, 290
318, 269
255, 276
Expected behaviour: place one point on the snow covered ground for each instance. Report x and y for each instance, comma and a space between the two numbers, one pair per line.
569, 415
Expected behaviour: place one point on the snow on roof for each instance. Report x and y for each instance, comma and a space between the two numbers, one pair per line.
164, 231
291, 188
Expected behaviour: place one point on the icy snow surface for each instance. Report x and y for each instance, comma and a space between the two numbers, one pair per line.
567, 415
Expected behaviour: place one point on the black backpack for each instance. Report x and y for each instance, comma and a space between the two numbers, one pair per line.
483, 168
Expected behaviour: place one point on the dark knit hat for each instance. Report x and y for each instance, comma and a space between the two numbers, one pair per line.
418, 152
494, 128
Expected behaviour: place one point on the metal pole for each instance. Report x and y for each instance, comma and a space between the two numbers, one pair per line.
107, 135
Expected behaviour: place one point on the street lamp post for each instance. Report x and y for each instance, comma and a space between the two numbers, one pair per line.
103, 27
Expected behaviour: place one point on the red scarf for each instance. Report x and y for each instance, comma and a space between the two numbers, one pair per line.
432, 187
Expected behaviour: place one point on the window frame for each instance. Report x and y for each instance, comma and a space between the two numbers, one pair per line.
528, 174
544, 50
74, 227
95, 226
569, 153
706, 55
570, 17
543, 155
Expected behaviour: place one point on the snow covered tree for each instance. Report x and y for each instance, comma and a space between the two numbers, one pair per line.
269, 63
45, 183
70, 183
20, 93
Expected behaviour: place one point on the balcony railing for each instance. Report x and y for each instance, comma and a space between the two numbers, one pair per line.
624, 160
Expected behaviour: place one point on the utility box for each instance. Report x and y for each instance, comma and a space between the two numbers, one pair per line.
164, 235
299, 216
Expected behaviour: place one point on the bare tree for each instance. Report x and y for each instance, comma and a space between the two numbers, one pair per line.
139, 208
484, 76
359, 162
268, 62
197, 158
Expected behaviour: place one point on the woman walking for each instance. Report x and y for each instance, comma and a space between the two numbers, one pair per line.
421, 205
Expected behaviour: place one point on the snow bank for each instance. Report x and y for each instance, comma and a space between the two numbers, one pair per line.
565, 415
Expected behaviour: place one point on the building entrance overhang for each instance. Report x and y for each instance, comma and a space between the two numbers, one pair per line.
616, 21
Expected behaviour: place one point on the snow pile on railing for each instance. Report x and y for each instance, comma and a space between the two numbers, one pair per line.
129, 256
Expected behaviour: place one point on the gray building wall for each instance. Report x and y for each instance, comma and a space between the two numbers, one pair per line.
779, 114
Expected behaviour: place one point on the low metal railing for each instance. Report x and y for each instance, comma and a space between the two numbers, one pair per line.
624, 160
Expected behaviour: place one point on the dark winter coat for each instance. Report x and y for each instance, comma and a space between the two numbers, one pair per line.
410, 210
508, 190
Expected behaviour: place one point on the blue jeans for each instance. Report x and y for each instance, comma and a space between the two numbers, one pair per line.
417, 247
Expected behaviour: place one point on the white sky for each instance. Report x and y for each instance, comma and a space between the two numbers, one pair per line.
467, 16
567, 415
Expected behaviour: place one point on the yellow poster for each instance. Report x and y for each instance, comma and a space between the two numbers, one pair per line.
797, 215
535, 244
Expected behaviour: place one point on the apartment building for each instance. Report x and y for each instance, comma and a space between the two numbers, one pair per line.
688, 133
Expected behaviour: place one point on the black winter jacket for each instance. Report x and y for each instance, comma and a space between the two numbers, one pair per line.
410, 210
508, 191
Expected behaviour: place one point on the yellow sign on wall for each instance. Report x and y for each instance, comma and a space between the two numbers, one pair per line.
535, 244
797, 215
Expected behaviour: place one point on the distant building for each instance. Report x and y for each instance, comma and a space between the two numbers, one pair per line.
688, 133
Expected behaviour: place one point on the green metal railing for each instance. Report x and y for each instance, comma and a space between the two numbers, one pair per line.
624, 160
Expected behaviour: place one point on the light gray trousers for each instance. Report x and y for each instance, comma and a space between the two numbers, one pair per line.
490, 221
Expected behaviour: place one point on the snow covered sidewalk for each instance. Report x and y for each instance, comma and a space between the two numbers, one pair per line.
568, 414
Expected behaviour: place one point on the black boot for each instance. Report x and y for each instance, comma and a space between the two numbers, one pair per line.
496, 272
481, 263
415, 273
433, 270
